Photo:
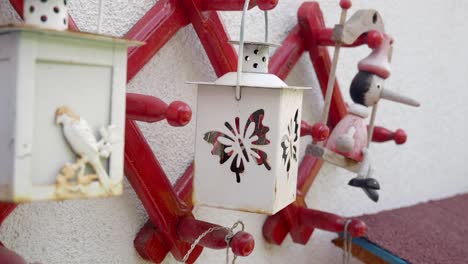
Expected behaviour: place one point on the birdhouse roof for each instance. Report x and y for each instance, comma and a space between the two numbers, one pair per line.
69, 34
248, 79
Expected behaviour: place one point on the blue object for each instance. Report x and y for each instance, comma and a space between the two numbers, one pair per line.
377, 251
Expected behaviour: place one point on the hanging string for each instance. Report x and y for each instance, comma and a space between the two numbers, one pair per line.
347, 243
228, 239
241, 46
266, 27
241, 51
101, 16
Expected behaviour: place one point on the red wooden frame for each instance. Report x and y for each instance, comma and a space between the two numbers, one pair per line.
172, 227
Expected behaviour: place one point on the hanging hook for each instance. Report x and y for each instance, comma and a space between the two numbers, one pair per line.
241, 47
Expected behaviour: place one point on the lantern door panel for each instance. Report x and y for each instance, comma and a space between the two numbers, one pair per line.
238, 162
65, 84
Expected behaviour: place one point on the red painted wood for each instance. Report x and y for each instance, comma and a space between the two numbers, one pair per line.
345, 4
375, 39
18, 6
154, 190
190, 229
213, 36
232, 5
288, 54
155, 28
5, 210
142, 167
320, 132
330, 222
312, 22
325, 38
150, 109
150, 244
7, 255
10, 257
224, 5
382, 134
184, 184
316, 36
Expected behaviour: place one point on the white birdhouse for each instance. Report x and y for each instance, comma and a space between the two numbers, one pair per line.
62, 109
247, 137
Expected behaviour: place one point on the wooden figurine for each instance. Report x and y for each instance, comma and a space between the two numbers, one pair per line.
348, 144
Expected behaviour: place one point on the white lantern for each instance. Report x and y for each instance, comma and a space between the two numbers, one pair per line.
49, 14
62, 110
247, 137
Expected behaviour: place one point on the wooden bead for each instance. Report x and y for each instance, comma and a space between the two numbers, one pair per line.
400, 137
242, 244
267, 4
345, 4
320, 132
178, 114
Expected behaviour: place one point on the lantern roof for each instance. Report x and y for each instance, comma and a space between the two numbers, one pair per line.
250, 79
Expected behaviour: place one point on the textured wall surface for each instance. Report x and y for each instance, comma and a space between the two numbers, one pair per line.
429, 63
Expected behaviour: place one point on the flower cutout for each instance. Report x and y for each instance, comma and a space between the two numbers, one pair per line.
289, 142
240, 146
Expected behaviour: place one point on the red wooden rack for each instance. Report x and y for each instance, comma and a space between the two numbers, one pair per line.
172, 226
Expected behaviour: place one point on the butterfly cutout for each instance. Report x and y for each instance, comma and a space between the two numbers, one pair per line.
289, 142
241, 146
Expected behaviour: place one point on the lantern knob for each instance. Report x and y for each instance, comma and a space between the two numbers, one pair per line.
267, 4
242, 244
178, 114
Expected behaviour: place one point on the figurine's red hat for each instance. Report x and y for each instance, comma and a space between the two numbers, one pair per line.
378, 62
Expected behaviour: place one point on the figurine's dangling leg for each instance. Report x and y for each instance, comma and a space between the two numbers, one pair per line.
364, 180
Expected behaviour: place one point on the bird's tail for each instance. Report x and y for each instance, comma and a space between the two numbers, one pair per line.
103, 176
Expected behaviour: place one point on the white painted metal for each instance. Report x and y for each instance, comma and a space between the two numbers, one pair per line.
50, 14
40, 72
258, 187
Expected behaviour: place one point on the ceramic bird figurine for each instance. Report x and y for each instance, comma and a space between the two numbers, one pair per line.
80, 137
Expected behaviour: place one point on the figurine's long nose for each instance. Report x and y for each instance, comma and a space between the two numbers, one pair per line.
396, 97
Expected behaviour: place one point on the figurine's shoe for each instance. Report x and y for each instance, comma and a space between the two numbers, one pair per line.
372, 194
365, 183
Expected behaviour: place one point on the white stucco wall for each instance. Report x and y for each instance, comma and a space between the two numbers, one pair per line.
429, 63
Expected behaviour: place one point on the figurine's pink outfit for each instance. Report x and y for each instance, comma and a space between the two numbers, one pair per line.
354, 119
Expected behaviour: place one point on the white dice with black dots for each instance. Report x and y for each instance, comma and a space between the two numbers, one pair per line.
256, 57
49, 14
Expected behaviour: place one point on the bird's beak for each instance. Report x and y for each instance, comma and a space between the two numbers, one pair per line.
396, 97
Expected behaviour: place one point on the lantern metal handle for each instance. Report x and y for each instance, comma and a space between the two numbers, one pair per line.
241, 47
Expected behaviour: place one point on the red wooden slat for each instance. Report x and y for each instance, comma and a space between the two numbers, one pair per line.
213, 36
155, 28
154, 190
232, 5
287, 56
